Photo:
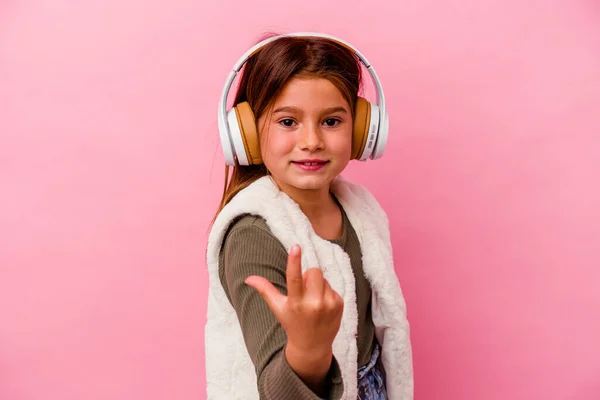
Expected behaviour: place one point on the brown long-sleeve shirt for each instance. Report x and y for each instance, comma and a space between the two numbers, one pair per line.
249, 248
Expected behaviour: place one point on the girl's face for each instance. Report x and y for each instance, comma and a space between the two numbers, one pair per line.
306, 137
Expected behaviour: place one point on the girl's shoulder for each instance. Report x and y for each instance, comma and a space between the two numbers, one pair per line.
246, 221
249, 231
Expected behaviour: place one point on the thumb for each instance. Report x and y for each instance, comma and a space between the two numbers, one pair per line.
268, 292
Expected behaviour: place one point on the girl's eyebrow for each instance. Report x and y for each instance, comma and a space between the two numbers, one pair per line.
287, 109
292, 109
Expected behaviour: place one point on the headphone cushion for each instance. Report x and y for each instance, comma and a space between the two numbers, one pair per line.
362, 121
249, 132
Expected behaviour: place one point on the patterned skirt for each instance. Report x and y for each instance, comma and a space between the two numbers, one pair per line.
371, 379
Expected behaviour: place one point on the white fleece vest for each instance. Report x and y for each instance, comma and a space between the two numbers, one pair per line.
229, 370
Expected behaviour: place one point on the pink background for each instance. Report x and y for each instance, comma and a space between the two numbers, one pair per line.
110, 170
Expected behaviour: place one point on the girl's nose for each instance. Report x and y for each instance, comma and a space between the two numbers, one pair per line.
310, 138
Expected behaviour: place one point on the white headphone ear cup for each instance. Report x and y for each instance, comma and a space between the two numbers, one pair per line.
382, 138
372, 133
235, 138
226, 145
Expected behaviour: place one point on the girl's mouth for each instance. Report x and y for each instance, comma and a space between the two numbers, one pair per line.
310, 165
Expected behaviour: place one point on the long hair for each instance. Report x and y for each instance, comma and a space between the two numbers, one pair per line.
269, 69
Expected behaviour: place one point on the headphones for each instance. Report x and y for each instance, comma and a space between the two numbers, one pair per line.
239, 133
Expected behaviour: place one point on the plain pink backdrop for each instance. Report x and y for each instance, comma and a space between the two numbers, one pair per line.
110, 170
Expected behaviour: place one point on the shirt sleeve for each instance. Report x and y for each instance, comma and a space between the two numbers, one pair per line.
252, 250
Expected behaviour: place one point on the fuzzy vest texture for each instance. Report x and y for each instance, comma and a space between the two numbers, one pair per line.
229, 370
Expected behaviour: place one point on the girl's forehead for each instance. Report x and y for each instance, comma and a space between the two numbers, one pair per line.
309, 92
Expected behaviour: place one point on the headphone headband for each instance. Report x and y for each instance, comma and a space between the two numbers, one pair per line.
224, 131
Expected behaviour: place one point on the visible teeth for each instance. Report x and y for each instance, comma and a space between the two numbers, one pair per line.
310, 163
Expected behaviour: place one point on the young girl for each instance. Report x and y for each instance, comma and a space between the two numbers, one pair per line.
303, 300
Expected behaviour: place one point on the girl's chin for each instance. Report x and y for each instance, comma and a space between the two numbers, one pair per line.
309, 183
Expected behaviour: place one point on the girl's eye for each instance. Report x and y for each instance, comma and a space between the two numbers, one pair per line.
287, 122
332, 122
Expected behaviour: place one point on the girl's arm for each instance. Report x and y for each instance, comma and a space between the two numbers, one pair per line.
283, 371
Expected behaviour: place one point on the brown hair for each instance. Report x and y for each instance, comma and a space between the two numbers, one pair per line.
268, 70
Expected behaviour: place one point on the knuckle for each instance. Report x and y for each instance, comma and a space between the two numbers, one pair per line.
339, 301
314, 272
332, 304
315, 306
296, 280
294, 306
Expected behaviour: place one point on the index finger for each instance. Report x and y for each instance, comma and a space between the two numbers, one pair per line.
295, 284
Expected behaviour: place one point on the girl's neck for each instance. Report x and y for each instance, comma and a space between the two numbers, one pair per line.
315, 204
